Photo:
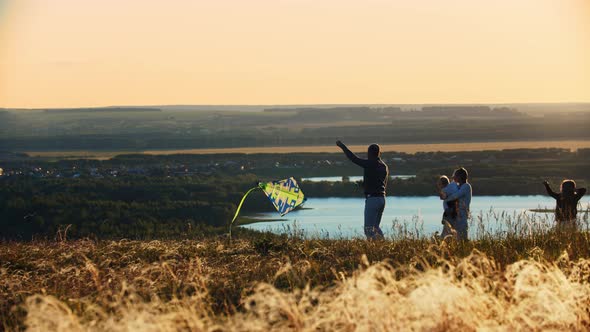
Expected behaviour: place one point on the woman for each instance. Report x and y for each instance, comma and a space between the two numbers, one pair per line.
446, 188
463, 195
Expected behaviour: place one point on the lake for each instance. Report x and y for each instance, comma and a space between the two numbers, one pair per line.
352, 178
343, 217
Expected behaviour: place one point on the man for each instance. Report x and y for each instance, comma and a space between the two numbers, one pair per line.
375, 181
464, 196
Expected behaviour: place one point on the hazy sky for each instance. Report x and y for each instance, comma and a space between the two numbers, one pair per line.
63, 53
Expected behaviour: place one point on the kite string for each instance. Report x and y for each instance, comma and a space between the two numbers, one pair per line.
239, 207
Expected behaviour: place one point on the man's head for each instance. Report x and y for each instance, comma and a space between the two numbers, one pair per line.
460, 175
374, 151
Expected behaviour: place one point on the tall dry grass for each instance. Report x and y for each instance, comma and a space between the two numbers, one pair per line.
265, 283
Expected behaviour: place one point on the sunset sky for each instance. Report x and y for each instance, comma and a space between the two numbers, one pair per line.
69, 53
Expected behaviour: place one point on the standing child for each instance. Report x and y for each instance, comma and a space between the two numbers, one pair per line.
566, 207
463, 195
447, 188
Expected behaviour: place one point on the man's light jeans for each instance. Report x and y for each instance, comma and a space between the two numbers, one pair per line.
374, 207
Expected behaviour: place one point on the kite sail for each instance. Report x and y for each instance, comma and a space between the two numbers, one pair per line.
285, 195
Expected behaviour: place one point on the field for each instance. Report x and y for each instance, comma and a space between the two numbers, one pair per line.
260, 282
404, 148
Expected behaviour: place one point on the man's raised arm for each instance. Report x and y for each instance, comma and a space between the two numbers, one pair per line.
353, 157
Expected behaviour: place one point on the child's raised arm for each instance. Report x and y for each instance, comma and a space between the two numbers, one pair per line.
550, 192
580, 192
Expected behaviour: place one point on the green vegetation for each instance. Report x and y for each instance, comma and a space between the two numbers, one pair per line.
134, 207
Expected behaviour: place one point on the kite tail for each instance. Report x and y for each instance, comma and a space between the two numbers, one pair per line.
239, 207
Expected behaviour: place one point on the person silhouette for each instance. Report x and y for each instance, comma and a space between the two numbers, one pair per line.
375, 177
445, 188
463, 195
566, 202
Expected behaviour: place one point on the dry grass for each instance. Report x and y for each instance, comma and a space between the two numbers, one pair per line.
276, 283
406, 148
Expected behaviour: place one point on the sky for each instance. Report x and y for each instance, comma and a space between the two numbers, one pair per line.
82, 53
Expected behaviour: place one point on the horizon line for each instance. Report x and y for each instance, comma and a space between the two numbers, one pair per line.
302, 104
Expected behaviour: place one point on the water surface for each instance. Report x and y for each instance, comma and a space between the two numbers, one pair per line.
343, 217
353, 178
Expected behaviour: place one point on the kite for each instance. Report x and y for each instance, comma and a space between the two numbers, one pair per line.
285, 195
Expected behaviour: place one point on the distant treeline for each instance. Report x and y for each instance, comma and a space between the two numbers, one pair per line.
417, 131
102, 109
112, 129
471, 111
338, 110
458, 110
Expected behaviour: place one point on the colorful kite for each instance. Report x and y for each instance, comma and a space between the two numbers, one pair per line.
285, 195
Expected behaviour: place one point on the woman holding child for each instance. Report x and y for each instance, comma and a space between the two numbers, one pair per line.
446, 187
456, 198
